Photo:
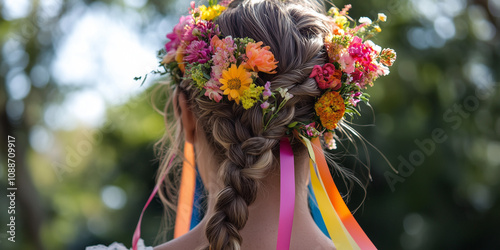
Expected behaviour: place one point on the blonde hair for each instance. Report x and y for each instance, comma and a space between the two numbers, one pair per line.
295, 31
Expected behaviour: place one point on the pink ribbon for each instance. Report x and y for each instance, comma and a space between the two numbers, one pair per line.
137, 232
287, 195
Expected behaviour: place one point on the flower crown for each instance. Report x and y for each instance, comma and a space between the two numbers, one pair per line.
226, 68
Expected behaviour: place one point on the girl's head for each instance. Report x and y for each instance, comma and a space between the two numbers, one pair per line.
236, 137
244, 142
244, 151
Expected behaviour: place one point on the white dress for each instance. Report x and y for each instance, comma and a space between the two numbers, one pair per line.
119, 246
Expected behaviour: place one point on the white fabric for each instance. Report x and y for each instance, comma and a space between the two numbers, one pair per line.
119, 246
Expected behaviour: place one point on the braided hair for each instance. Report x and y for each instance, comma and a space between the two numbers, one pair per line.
295, 31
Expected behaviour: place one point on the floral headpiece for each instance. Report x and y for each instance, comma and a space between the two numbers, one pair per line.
221, 67
226, 68
354, 63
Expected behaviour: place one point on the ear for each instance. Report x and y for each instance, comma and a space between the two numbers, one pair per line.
187, 117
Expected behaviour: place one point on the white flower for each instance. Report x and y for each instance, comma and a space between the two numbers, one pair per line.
282, 92
382, 70
288, 96
372, 45
365, 20
119, 246
382, 17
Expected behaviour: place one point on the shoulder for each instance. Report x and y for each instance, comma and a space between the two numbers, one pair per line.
194, 239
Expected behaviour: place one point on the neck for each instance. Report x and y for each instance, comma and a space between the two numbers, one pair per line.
263, 217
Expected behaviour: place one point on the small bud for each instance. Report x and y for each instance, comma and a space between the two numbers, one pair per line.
264, 105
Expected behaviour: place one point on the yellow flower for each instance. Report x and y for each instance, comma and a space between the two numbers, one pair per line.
330, 108
211, 12
235, 81
341, 21
251, 96
377, 28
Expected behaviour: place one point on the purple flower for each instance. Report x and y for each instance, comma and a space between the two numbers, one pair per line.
197, 52
201, 31
267, 90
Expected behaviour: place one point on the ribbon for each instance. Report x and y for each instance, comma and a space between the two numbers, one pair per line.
315, 212
336, 200
336, 229
186, 192
287, 195
197, 214
137, 232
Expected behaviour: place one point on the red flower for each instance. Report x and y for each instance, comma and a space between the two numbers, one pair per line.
327, 76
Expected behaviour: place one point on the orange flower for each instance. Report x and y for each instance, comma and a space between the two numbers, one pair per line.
260, 59
179, 57
330, 108
338, 30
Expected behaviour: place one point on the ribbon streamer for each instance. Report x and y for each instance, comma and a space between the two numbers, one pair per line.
336, 200
336, 229
186, 193
137, 232
287, 195
197, 214
315, 212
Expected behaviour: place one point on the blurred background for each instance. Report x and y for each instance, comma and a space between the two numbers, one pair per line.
84, 129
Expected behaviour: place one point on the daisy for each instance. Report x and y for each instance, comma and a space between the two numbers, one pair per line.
235, 81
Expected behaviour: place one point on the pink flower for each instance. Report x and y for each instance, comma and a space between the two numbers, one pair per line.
347, 63
329, 140
357, 49
264, 105
197, 52
206, 30
357, 76
267, 90
345, 9
226, 44
176, 36
355, 98
213, 90
223, 55
311, 130
327, 76
225, 2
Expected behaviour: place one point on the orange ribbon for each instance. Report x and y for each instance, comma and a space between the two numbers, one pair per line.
186, 192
